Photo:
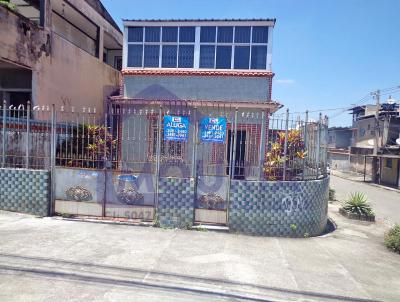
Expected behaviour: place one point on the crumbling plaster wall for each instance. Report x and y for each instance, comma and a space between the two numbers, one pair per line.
62, 74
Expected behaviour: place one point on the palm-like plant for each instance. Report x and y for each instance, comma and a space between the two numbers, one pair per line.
357, 203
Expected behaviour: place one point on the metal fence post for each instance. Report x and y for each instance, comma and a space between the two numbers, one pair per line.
318, 143
53, 134
233, 158
158, 153
286, 144
103, 208
326, 125
28, 118
305, 143
262, 145
232, 155
3, 158
195, 134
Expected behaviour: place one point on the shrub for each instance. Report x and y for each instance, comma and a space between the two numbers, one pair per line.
8, 4
332, 194
275, 159
392, 239
357, 204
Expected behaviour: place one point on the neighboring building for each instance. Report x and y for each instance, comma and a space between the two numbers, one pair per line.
226, 63
388, 127
339, 137
339, 141
58, 52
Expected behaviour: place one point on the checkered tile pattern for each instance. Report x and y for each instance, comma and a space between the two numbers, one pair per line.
176, 202
26, 191
270, 208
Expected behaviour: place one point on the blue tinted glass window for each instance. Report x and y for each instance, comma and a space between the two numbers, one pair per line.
135, 34
169, 53
151, 55
207, 34
242, 55
186, 56
135, 55
258, 57
225, 34
207, 55
186, 34
260, 34
152, 34
170, 34
242, 34
224, 54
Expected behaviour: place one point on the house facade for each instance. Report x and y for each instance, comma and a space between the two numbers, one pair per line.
58, 52
217, 67
387, 129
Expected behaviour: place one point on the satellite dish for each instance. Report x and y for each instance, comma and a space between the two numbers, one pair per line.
390, 100
398, 141
370, 142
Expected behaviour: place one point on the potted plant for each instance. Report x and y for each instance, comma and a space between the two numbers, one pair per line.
357, 207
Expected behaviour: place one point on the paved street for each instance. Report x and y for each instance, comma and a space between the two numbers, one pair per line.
386, 203
58, 260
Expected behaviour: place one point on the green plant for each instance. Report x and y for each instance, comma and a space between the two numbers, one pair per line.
306, 235
9, 5
200, 228
275, 158
392, 239
293, 227
357, 204
332, 194
156, 222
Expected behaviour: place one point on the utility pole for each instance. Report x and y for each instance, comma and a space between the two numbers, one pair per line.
376, 139
375, 168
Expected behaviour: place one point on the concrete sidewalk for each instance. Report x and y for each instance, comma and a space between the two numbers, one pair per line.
57, 260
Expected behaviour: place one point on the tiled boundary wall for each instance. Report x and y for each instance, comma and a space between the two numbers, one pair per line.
284, 208
26, 191
176, 202
266, 208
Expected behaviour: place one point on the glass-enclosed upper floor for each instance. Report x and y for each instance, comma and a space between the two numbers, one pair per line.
238, 45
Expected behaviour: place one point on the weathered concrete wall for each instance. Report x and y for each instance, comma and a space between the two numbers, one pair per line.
22, 41
339, 161
389, 175
25, 191
62, 73
279, 208
72, 77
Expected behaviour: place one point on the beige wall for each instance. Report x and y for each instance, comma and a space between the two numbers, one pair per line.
389, 175
72, 77
62, 73
22, 41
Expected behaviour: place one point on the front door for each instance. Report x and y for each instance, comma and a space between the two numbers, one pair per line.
240, 152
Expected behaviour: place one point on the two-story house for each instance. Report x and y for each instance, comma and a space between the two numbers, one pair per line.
217, 67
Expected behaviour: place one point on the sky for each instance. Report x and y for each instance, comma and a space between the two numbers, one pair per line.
327, 54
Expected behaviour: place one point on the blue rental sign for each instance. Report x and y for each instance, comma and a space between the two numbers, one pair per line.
176, 128
213, 129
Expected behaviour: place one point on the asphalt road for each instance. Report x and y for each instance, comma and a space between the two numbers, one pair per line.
58, 260
386, 203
